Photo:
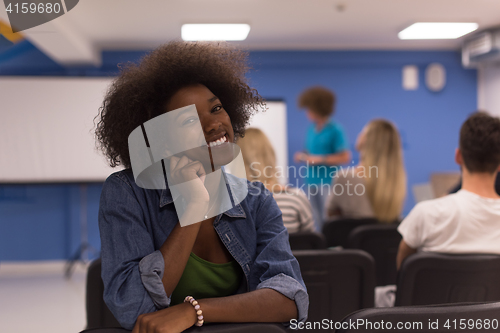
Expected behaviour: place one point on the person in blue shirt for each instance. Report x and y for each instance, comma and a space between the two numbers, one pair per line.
326, 148
238, 264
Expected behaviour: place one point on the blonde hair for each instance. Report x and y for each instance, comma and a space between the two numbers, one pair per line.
259, 157
386, 189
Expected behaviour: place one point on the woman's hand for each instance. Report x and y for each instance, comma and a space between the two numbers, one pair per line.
174, 319
311, 159
314, 159
300, 156
191, 175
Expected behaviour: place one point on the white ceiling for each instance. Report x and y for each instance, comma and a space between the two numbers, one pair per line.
95, 25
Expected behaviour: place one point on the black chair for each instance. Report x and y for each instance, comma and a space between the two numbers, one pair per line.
337, 232
382, 242
212, 328
307, 241
431, 278
432, 318
98, 314
338, 282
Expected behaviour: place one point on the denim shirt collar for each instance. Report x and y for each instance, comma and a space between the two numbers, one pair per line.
236, 211
165, 197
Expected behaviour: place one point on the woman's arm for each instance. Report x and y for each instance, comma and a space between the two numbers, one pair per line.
139, 278
263, 305
274, 266
179, 244
175, 251
130, 264
343, 157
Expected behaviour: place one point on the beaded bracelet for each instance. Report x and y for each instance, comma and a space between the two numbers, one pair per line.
197, 308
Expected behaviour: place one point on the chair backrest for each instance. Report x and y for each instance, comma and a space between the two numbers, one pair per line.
337, 232
382, 242
338, 282
432, 278
307, 241
98, 314
447, 318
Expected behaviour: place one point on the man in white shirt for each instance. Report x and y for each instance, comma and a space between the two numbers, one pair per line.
464, 222
467, 221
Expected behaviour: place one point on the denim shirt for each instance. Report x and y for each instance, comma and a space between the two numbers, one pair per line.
134, 223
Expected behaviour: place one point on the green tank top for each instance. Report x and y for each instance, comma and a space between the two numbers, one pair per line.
204, 279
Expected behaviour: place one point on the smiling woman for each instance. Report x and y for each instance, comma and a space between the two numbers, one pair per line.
235, 266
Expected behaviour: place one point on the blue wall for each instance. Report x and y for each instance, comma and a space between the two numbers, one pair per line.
40, 222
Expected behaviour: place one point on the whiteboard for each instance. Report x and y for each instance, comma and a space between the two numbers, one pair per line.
47, 129
273, 123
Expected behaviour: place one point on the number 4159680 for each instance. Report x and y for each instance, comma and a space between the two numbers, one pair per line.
471, 324
31, 7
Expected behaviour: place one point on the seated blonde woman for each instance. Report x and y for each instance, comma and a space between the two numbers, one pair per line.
260, 165
376, 188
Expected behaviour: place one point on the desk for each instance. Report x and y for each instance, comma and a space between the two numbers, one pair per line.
212, 328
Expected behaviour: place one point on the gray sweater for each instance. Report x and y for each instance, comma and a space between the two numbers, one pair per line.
348, 198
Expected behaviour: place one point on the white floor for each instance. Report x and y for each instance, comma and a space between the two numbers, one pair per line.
36, 297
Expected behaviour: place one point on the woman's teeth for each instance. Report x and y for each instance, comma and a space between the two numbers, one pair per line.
218, 142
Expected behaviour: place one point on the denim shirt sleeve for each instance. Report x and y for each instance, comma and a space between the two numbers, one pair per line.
275, 264
131, 268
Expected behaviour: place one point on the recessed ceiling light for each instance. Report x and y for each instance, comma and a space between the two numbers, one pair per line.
206, 32
437, 30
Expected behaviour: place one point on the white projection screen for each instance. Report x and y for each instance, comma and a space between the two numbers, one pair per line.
46, 132
273, 123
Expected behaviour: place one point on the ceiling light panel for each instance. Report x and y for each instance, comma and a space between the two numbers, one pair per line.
211, 32
437, 30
